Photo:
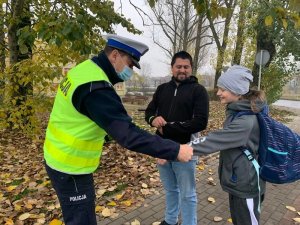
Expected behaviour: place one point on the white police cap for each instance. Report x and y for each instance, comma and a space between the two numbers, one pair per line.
131, 47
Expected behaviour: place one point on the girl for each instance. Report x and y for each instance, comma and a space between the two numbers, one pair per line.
236, 173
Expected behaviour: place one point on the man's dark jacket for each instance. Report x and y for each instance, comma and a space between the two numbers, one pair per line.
185, 108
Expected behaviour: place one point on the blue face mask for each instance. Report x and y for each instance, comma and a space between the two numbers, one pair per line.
126, 73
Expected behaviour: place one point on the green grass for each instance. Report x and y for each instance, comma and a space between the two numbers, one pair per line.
120, 187
17, 182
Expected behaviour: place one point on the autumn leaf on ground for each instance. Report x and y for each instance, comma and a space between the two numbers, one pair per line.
297, 219
210, 179
11, 188
229, 220
145, 191
156, 223
8, 221
17, 207
119, 196
291, 208
218, 218
112, 188
126, 203
51, 207
100, 192
211, 199
152, 180
201, 167
135, 222
41, 220
112, 203
37, 216
56, 222
24, 216
130, 159
99, 208
106, 212
46, 182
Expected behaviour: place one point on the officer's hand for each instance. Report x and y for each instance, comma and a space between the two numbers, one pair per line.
159, 122
185, 153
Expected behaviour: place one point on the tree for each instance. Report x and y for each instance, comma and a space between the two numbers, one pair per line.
277, 32
2, 40
2, 51
41, 37
213, 11
240, 33
276, 29
182, 28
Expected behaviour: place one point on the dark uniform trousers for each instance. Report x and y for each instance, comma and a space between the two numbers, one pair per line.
76, 195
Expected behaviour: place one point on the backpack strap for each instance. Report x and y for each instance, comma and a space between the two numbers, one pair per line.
250, 156
252, 159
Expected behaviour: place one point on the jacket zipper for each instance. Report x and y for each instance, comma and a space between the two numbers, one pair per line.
172, 104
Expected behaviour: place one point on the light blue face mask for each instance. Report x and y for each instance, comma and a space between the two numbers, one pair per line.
126, 73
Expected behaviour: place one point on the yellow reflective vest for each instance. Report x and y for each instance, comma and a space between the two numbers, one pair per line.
73, 142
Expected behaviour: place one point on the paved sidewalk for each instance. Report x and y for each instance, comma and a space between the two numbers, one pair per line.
274, 211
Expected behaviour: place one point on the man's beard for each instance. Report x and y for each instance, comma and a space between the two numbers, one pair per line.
181, 80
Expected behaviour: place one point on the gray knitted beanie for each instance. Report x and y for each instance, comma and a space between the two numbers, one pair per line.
236, 79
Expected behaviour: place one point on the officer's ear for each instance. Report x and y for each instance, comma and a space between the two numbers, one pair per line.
113, 56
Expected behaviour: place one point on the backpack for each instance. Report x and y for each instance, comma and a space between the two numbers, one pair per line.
279, 150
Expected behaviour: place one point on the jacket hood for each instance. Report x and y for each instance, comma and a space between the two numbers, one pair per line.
190, 80
244, 105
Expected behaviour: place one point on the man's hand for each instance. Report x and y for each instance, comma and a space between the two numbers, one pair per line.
185, 153
160, 130
161, 161
159, 122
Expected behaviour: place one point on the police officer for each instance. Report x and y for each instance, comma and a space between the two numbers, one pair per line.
86, 109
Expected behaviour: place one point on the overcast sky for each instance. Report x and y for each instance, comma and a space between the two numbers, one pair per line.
155, 58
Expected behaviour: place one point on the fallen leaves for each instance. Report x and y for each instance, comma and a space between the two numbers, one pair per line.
26, 191
106, 212
211, 181
211, 200
127, 203
8, 221
291, 208
24, 216
112, 203
56, 222
156, 223
297, 220
144, 185
109, 212
135, 222
11, 188
123, 181
218, 218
